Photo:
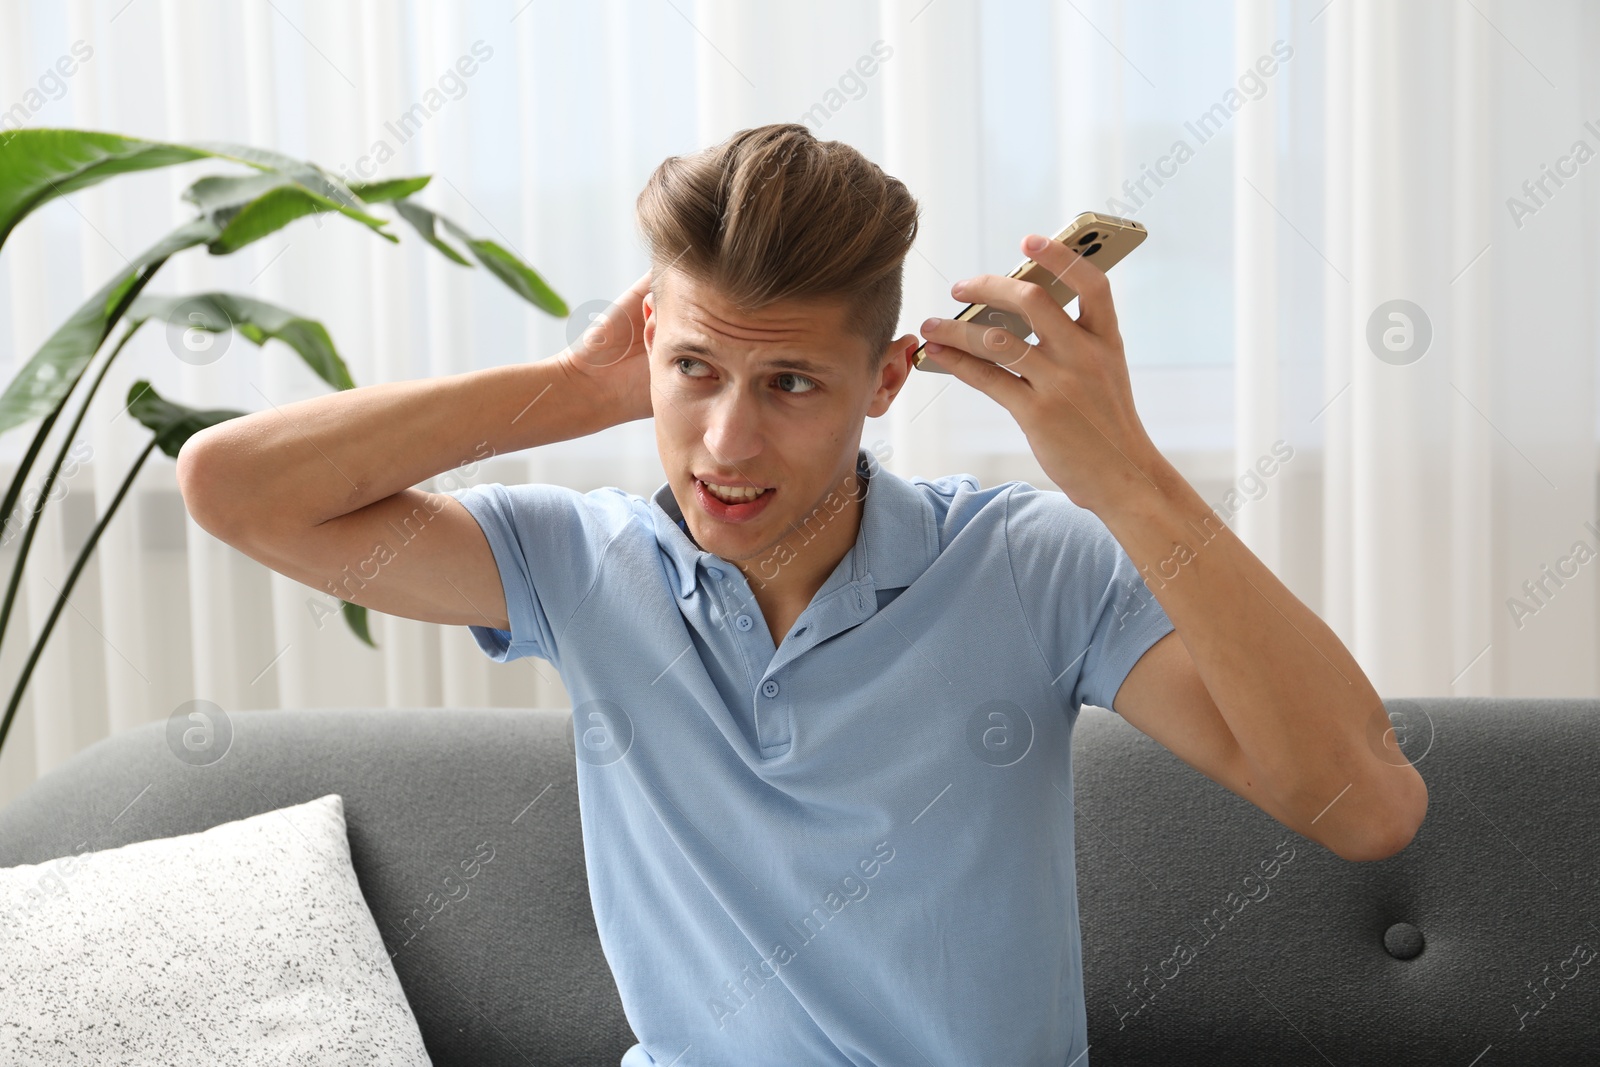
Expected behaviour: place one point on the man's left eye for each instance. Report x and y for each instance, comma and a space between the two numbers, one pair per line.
810, 385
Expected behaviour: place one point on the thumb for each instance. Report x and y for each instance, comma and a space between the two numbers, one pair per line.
642, 286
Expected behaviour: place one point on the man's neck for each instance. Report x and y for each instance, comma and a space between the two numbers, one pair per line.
787, 578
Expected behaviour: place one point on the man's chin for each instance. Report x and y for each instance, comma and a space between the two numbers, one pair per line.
734, 542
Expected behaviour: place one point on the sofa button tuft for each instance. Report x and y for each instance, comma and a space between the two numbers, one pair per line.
1403, 941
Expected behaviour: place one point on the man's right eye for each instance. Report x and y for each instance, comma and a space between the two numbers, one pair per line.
681, 360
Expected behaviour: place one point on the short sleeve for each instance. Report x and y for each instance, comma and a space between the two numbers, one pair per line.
1085, 602
549, 542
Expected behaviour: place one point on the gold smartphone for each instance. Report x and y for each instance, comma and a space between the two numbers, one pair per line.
1103, 239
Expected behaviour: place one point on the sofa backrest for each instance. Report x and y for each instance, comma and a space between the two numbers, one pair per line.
1209, 927
1210, 933
507, 972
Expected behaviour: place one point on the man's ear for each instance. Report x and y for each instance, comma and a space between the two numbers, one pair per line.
649, 306
897, 362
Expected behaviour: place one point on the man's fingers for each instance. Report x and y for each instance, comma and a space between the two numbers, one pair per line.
1033, 303
636, 292
1004, 387
1096, 313
993, 343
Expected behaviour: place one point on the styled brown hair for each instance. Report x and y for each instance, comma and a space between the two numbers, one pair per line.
773, 214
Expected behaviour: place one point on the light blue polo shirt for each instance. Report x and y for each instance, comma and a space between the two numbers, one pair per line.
856, 847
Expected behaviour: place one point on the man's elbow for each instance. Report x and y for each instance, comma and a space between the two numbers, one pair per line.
188, 479
201, 486
1394, 832
1376, 847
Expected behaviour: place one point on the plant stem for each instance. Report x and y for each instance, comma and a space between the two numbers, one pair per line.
66, 589
15, 490
49, 482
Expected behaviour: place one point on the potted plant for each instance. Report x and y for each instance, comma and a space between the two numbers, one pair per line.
231, 212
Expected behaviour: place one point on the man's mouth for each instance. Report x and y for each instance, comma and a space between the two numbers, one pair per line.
733, 494
732, 503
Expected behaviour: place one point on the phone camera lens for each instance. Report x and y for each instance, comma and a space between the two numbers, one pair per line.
1090, 236
1092, 249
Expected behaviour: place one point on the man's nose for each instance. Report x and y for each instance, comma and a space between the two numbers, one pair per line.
733, 428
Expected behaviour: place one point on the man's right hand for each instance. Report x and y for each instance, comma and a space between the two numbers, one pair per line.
610, 355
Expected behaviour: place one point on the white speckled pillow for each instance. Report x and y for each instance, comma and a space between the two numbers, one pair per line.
248, 943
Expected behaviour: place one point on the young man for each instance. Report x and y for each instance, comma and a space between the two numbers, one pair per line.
823, 713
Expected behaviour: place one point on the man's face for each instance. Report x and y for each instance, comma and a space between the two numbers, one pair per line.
772, 399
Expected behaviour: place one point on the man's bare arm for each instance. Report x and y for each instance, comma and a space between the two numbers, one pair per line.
1309, 727
322, 490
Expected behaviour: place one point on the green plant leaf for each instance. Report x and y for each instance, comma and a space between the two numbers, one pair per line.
517, 275
306, 173
257, 320
38, 164
356, 617
45, 380
423, 221
249, 207
390, 189
172, 423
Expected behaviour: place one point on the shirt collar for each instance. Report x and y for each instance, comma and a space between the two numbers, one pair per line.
897, 541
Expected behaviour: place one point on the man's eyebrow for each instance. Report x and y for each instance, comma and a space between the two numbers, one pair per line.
781, 363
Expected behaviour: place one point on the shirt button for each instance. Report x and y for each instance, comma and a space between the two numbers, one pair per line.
770, 687
715, 572
744, 622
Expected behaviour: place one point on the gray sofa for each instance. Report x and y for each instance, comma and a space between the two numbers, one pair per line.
1211, 934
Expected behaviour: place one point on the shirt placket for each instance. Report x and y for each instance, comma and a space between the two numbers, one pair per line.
741, 619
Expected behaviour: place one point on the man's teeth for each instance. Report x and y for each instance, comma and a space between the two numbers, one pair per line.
732, 495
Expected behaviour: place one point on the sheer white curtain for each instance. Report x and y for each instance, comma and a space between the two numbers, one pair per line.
1300, 165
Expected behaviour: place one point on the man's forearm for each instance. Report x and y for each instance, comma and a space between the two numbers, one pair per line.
316, 459
1308, 724
1303, 712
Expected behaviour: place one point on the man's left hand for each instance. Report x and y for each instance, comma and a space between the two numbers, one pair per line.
1069, 388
